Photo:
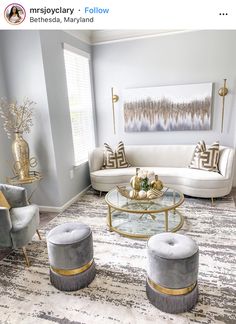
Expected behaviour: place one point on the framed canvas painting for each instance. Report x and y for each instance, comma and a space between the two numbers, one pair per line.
168, 108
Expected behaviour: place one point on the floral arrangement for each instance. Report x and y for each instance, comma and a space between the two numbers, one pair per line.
17, 118
145, 178
145, 185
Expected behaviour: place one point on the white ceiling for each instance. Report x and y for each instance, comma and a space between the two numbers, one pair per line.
95, 37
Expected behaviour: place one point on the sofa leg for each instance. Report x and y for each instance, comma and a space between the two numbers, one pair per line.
100, 194
212, 202
37, 231
26, 256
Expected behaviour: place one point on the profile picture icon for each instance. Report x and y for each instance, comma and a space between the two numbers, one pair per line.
14, 14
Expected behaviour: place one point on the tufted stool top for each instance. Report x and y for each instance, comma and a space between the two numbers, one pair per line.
68, 233
172, 246
70, 245
172, 260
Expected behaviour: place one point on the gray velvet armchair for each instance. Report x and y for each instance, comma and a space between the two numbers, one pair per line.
19, 223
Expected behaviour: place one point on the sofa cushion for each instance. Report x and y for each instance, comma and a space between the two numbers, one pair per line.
173, 176
171, 163
115, 159
176, 156
206, 158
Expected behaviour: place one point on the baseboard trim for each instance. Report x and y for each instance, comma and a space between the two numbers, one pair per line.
52, 209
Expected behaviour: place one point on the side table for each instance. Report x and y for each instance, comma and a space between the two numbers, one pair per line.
34, 178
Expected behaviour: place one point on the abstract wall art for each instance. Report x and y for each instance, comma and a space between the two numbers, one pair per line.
168, 108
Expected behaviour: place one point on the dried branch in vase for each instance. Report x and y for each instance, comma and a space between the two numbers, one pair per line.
17, 118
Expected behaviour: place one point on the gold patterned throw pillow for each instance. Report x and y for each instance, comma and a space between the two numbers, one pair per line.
206, 158
115, 159
3, 201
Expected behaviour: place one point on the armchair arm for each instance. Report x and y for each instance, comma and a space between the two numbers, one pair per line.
16, 196
5, 228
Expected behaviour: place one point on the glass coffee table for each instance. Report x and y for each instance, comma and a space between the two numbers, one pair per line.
144, 218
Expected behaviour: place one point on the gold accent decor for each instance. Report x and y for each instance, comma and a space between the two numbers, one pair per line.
71, 272
143, 209
114, 99
23, 162
128, 194
17, 117
171, 291
26, 256
223, 92
157, 184
143, 187
166, 221
18, 120
33, 176
20, 151
143, 236
212, 202
37, 231
135, 181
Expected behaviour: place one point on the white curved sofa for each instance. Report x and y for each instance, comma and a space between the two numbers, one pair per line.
170, 162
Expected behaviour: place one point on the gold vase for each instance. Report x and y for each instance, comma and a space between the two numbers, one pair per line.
20, 150
135, 181
157, 184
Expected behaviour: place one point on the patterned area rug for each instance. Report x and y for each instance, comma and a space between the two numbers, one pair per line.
117, 295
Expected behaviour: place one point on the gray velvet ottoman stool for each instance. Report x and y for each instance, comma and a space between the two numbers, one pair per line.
172, 272
70, 252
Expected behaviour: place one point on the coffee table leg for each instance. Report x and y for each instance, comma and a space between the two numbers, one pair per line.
166, 221
174, 201
109, 218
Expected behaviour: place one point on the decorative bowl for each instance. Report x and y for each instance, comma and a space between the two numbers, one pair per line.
126, 193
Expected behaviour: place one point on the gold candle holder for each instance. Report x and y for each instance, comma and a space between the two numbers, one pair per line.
114, 98
223, 92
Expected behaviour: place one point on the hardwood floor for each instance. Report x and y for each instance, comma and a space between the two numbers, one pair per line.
46, 218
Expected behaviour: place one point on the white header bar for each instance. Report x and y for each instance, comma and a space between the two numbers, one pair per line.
118, 14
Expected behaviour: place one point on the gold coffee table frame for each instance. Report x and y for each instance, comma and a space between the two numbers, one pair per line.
165, 209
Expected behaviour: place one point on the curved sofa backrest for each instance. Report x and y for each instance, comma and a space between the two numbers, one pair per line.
178, 156
159, 155
226, 162
95, 159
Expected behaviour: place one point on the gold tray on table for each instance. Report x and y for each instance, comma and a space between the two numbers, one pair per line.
126, 193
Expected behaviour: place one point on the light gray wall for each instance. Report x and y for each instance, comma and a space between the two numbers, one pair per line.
193, 57
55, 77
5, 148
34, 67
24, 77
